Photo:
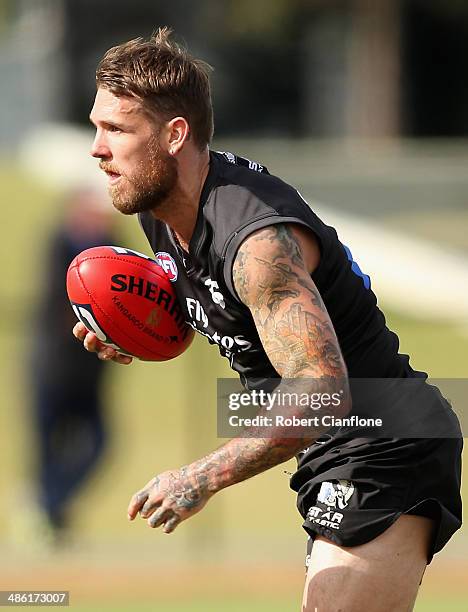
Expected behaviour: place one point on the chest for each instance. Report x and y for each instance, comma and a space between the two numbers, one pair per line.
207, 306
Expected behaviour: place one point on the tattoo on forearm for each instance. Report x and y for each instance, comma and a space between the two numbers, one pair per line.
242, 458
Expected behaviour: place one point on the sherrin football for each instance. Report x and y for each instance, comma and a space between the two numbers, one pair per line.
128, 300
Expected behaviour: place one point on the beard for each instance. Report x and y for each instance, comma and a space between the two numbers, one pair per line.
149, 186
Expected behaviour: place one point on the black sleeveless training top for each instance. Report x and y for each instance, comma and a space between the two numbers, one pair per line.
239, 197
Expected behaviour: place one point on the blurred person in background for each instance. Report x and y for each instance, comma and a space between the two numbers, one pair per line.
66, 385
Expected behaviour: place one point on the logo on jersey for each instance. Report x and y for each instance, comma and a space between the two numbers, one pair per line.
242, 161
253, 165
216, 295
168, 264
229, 344
196, 311
231, 158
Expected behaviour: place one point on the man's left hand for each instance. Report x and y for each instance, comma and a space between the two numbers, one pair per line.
170, 498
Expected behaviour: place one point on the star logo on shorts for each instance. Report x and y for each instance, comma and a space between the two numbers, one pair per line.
336, 494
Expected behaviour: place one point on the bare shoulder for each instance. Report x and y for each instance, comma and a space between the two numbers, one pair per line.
277, 249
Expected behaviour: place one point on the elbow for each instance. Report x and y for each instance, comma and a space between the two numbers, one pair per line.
327, 394
341, 401
344, 406
340, 388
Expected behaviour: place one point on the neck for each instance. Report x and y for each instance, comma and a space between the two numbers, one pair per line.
180, 209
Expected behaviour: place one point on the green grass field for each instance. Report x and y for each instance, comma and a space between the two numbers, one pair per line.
252, 525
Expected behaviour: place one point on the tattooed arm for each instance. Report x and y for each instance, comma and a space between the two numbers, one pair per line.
271, 275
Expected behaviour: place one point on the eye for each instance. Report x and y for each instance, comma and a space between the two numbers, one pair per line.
113, 128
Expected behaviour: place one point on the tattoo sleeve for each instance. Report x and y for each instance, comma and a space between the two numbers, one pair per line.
271, 278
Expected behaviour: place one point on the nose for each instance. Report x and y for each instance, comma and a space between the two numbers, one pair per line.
99, 147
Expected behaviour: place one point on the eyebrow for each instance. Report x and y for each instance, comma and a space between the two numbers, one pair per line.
113, 123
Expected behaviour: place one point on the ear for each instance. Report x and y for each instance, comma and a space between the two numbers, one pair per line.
178, 132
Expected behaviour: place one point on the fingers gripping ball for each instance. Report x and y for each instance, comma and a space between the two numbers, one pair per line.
128, 300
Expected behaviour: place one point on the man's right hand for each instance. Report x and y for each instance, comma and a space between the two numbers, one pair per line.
94, 345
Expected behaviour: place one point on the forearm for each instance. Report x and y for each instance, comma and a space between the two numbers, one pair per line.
261, 448
175, 495
242, 458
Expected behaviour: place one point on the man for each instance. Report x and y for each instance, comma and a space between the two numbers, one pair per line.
66, 386
293, 305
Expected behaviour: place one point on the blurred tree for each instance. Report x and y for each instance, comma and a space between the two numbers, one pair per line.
262, 18
323, 32
374, 59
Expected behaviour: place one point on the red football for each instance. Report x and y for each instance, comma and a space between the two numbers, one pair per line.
128, 300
